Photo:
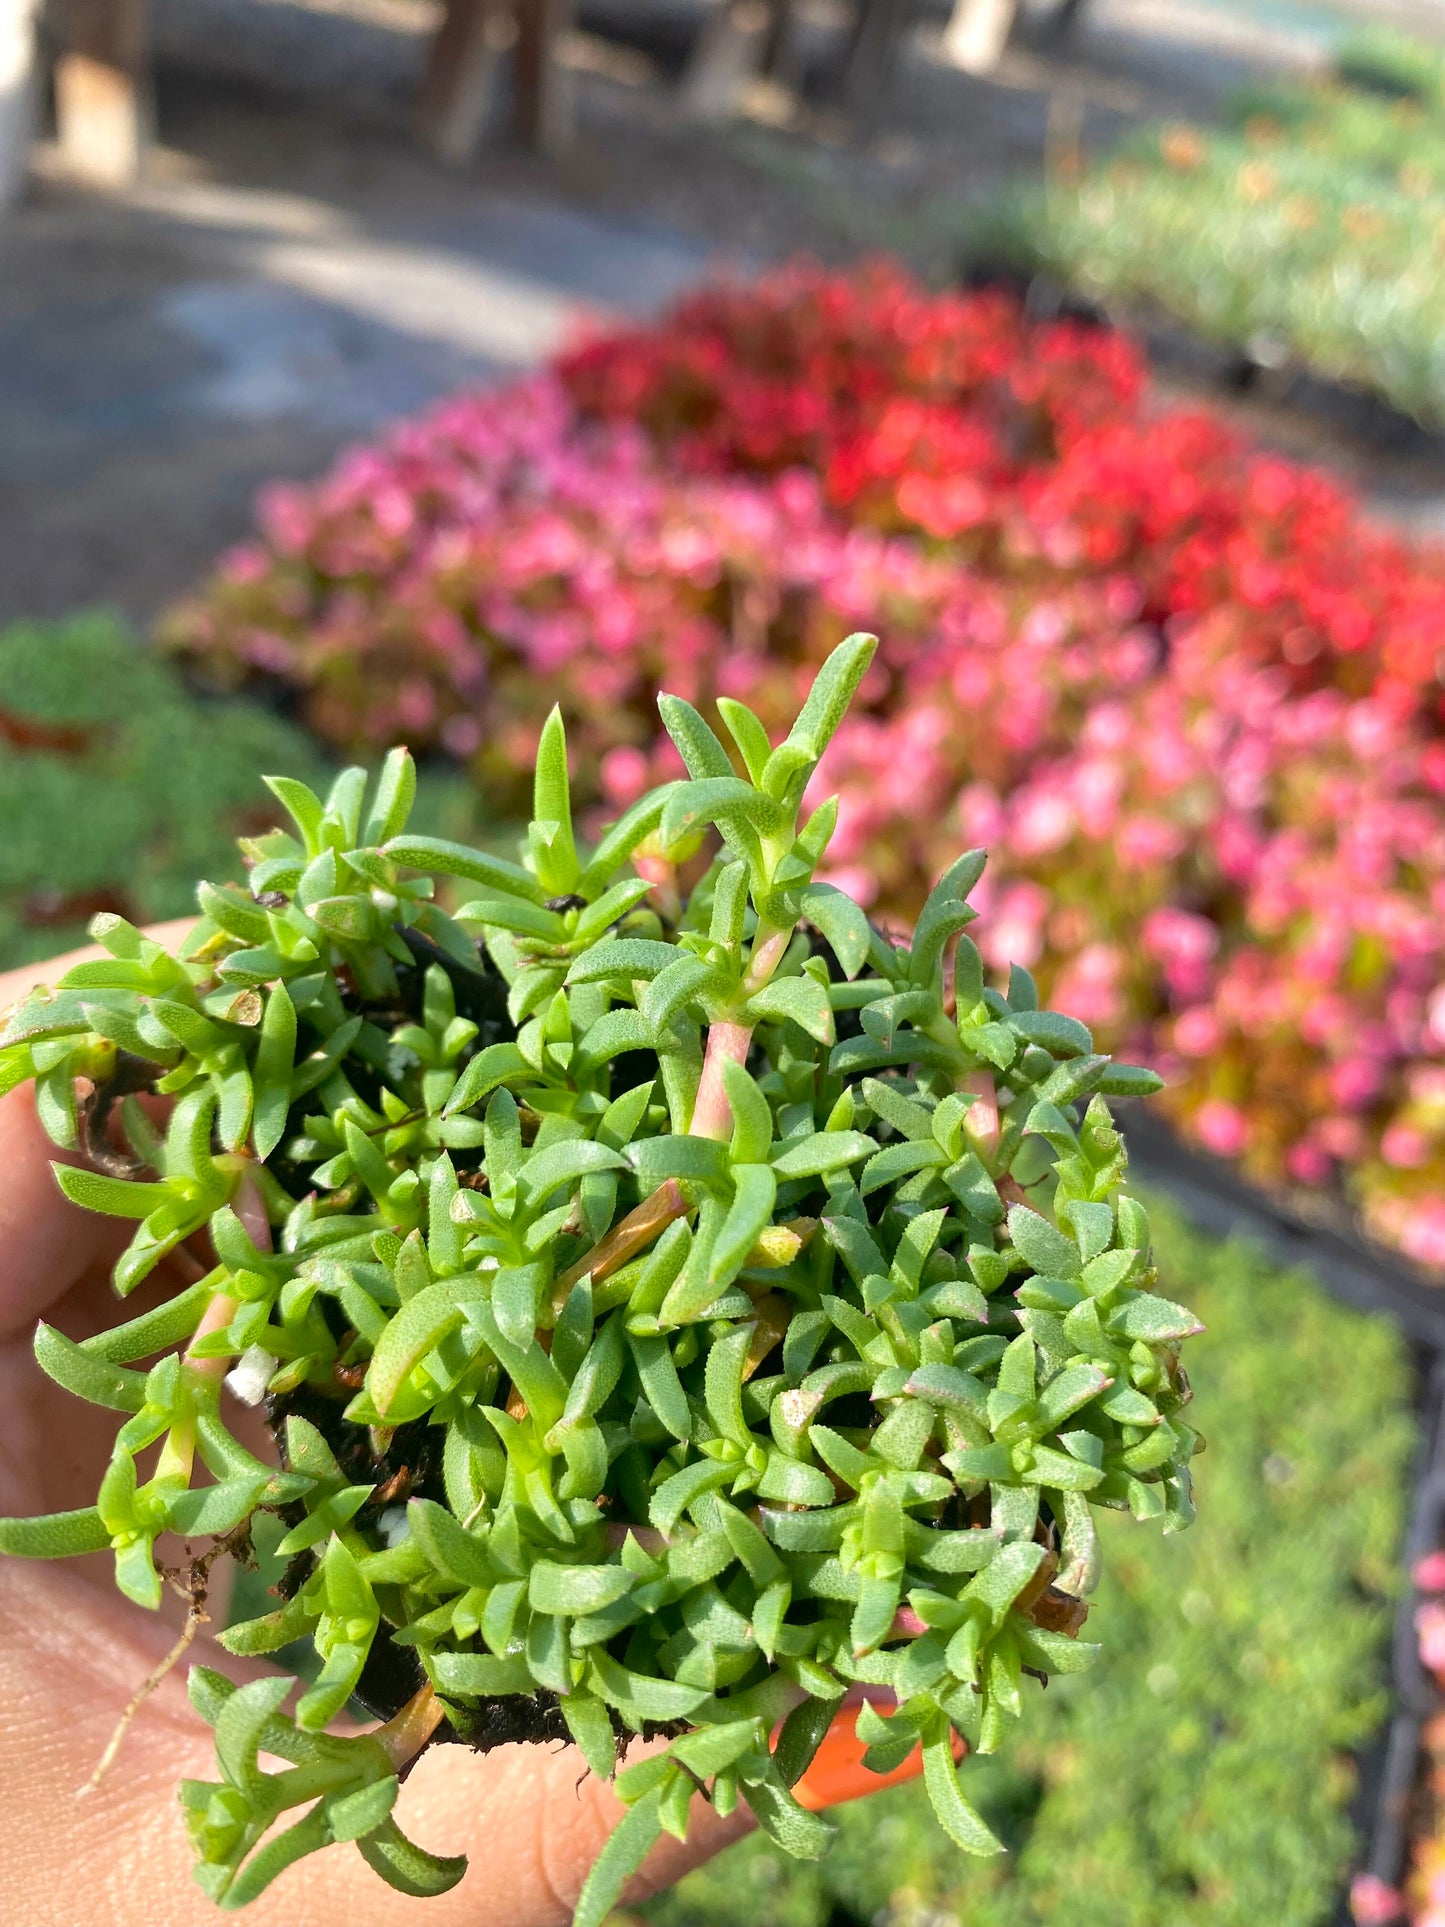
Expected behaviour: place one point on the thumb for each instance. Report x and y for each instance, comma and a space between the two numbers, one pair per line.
46, 1242
531, 1819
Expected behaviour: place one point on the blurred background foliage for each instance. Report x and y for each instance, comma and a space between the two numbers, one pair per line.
1307, 230
120, 787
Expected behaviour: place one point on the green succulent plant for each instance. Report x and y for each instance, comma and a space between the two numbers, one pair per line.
674, 1300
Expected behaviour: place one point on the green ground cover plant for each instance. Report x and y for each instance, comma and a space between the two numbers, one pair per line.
117, 787
1242, 1664
673, 1300
1309, 229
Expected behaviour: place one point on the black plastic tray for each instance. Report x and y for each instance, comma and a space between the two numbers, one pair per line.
1216, 1199
1318, 1236
1347, 412
1390, 1770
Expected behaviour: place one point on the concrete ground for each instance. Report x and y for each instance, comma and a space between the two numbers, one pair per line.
164, 355
293, 274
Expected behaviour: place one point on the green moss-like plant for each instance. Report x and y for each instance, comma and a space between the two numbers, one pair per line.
117, 787
672, 1306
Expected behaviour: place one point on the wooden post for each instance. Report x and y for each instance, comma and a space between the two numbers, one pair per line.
976, 35
872, 56
456, 95
542, 88
729, 53
17, 82
458, 92
102, 93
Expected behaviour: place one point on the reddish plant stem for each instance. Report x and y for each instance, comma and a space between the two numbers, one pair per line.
251, 1210
981, 1119
662, 875
712, 1115
768, 949
217, 1315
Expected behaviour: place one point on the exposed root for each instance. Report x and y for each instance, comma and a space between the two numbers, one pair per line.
129, 1076
193, 1586
195, 1619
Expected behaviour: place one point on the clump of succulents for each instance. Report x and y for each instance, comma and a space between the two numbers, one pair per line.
674, 1299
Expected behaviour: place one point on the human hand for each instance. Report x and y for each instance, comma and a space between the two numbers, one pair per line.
73, 1652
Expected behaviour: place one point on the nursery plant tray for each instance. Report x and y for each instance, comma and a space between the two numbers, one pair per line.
1321, 1237
1325, 1242
1392, 1768
1322, 407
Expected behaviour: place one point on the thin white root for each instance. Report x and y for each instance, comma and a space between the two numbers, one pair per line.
195, 1619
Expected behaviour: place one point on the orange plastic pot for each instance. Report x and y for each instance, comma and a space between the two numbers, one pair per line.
838, 1774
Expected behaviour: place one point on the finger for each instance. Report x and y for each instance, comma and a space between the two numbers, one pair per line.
530, 1818
53, 1252
17, 984
54, 1447
46, 1243
532, 1821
